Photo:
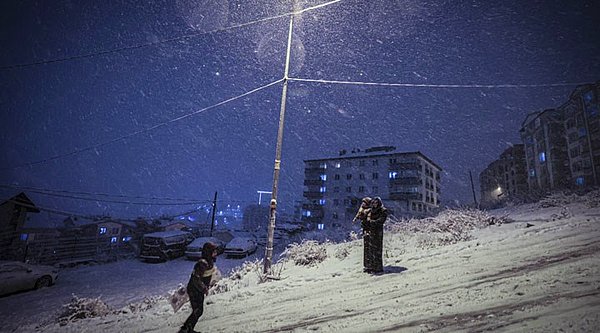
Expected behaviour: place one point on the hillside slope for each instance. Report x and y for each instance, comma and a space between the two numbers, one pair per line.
538, 273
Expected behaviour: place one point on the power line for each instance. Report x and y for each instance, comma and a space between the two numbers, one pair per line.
121, 201
427, 85
162, 41
105, 143
92, 217
34, 189
89, 197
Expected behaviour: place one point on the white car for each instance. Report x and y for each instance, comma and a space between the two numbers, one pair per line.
194, 250
17, 276
240, 247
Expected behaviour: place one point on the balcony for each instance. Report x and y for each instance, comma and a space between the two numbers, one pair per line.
406, 181
311, 219
406, 196
314, 182
313, 194
317, 169
412, 165
312, 207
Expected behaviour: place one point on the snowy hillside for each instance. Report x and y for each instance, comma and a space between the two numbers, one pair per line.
537, 273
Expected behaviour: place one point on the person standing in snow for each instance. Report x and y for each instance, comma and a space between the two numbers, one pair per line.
199, 283
361, 215
375, 219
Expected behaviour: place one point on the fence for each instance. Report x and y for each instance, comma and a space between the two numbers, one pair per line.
67, 250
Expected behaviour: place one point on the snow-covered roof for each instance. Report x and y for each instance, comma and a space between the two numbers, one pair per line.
43, 221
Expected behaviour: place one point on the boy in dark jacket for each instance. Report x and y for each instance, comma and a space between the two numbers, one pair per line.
198, 285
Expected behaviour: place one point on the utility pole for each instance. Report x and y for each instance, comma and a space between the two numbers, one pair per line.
214, 210
473, 189
273, 203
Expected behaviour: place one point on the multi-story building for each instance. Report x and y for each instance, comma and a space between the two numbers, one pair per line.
408, 183
582, 129
504, 178
543, 134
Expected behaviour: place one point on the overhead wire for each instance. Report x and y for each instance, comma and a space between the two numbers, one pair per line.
144, 130
34, 189
120, 201
431, 85
163, 41
89, 197
92, 217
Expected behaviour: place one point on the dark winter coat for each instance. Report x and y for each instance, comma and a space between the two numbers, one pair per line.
198, 285
203, 271
377, 217
201, 276
374, 249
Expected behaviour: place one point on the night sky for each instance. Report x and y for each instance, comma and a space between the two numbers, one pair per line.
95, 105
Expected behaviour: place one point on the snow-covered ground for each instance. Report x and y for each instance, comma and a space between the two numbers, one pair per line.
538, 273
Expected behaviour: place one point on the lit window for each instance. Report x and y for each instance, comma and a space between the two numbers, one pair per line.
322, 189
102, 230
323, 177
321, 226
580, 181
322, 202
393, 174
323, 165
542, 157
113, 240
24, 237
306, 213
531, 172
337, 165
126, 239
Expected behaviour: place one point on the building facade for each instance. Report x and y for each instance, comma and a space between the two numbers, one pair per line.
582, 130
505, 178
543, 134
408, 183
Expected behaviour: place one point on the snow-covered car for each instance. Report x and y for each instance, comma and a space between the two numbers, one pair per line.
194, 250
165, 245
17, 276
240, 247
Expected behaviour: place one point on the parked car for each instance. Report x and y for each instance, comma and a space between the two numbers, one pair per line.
164, 245
17, 276
240, 247
194, 249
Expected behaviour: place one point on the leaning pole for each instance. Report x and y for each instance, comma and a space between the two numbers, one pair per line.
273, 203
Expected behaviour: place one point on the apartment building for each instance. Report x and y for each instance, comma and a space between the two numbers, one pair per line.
582, 130
543, 134
408, 183
504, 178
